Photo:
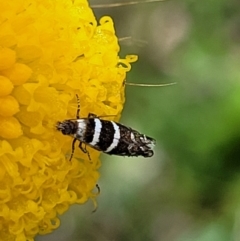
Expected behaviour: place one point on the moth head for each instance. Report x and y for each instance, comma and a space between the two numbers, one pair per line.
67, 127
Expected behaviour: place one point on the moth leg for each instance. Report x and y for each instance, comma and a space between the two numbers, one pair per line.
94, 202
98, 189
91, 115
82, 146
73, 148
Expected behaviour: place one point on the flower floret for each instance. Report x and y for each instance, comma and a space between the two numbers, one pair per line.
49, 52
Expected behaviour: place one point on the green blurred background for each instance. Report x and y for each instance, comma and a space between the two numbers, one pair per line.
190, 189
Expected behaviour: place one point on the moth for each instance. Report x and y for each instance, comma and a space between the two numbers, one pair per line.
106, 136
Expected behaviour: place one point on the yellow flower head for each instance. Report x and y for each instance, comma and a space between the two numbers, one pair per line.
51, 50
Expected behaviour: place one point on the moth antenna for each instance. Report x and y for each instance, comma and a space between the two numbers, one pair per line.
114, 5
125, 38
149, 85
132, 40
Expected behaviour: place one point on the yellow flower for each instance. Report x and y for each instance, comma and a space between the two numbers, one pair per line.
51, 50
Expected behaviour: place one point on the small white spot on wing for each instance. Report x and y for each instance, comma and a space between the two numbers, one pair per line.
151, 145
133, 137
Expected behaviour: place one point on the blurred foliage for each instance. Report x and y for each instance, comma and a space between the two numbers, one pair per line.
190, 189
